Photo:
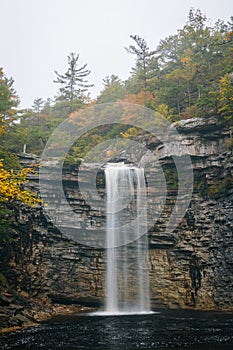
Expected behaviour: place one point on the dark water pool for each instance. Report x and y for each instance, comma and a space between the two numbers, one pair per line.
163, 330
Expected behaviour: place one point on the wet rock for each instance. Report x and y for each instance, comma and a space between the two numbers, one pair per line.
89, 301
192, 267
21, 319
4, 320
5, 301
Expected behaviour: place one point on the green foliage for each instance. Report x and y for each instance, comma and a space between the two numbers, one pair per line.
8, 103
188, 75
113, 90
200, 186
142, 73
10, 160
38, 105
37, 124
220, 189
191, 64
72, 161
33, 130
186, 70
171, 177
12, 177
213, 190
226, 97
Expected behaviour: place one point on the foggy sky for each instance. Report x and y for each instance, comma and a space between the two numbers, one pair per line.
37, 36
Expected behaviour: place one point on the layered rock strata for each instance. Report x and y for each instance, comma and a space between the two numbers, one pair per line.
189, 268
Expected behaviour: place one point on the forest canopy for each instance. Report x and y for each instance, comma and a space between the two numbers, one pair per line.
189, 74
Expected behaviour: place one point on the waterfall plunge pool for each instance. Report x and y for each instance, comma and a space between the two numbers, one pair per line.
168, 329
137, 327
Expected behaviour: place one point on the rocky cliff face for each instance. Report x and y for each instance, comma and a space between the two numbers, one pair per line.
193, 266
190, 268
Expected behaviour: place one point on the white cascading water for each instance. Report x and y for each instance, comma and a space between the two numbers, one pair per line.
127, 277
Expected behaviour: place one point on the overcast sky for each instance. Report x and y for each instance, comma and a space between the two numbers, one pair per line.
37, 36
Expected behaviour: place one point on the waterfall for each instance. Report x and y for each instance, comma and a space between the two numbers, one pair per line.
127, 278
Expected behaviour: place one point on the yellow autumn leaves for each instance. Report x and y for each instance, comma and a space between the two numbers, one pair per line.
11, 181
226, 96
11, 186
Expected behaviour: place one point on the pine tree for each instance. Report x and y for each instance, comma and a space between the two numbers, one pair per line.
113, 90
73, 82
144, 57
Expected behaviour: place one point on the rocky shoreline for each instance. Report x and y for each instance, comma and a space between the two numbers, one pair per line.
17, 312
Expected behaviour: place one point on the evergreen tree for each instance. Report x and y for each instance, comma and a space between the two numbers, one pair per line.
191, 64
143, 59
38, 104
113, 90
73, 83
8, 102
